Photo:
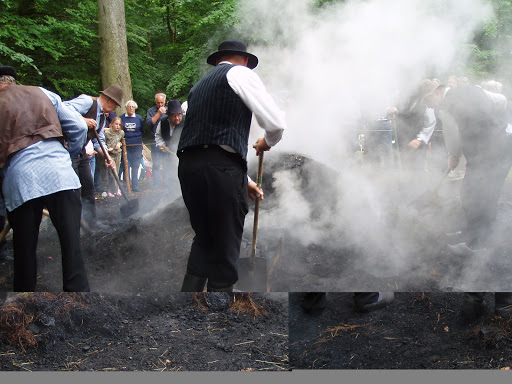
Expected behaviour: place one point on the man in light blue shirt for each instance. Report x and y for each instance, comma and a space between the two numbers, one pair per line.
36, 174
93, 110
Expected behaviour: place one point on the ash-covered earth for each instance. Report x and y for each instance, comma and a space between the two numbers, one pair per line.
329, 230
156, 332
418, 330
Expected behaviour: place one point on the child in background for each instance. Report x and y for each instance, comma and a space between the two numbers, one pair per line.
113, 136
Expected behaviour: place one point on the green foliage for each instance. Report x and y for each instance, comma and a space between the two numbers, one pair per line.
168, 41
52, 43
55, 43
491, 49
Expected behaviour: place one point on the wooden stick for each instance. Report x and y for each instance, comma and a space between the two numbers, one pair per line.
5, 231
257, 206
126, 169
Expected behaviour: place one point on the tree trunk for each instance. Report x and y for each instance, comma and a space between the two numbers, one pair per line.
171, 28
113, 48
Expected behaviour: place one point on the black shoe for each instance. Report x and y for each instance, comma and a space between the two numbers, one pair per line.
6, 258
472, 310
193, 283
225, 289
314, 302
383, 299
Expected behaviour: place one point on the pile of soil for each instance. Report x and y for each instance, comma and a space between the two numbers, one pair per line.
401, 250
416, 331
157, 332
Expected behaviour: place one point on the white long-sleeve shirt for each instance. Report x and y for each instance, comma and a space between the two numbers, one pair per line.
429, 123
249, 87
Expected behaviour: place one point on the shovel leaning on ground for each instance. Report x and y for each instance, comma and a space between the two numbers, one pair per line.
131, 206
252, 270
430, 197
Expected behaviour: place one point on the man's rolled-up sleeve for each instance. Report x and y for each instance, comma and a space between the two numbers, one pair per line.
249, 87
73, 125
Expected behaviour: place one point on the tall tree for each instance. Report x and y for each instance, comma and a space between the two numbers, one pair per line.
113, 46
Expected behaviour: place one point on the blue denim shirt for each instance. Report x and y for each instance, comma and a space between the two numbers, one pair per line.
82, 104
45, 167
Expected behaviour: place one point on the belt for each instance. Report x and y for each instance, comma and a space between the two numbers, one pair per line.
213, 148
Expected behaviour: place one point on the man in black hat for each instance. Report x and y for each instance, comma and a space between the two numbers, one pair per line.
37, 173
166, 129
154, 116
213, 166
93, 110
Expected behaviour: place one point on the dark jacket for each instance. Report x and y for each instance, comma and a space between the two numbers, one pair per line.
481, 126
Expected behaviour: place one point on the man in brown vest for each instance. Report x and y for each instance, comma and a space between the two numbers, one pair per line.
37, 173
93, 110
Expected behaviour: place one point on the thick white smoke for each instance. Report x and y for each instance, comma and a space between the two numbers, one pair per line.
329, 62
327, 65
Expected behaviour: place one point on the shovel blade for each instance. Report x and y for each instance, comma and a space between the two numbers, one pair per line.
252, 274
129, 208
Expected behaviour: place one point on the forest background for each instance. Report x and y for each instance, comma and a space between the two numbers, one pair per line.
56, 43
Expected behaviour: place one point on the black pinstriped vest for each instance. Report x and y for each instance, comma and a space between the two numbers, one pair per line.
216, 115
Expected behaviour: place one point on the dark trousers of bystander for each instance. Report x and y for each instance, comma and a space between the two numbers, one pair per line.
214, 188
65, 213
83, 170
134, 155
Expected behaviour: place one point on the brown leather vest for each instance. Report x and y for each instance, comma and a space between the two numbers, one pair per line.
27, 117
91, 114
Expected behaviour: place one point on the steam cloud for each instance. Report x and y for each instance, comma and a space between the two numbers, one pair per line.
324, 66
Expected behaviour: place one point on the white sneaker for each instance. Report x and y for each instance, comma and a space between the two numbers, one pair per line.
462, 250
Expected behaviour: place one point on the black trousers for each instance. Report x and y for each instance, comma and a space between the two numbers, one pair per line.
83, 170
481, 190
502, 299
214, 188
65, 213
3, 244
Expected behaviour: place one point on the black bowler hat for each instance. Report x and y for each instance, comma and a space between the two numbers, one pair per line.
232, 47
9, 71
174, 106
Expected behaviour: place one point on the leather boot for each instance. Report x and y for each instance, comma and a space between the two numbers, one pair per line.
473, 306
313, 302
226, 289
193, 283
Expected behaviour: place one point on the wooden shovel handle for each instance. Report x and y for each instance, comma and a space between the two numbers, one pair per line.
257, 206
5, 231
125, 165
